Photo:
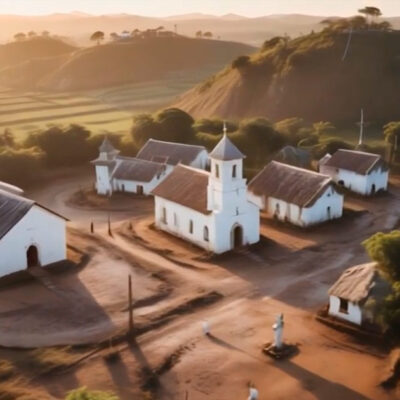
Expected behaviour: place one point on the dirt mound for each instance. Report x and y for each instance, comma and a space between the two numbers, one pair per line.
124, 62
313, 77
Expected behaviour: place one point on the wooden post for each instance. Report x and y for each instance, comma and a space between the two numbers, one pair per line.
91, 227
130, 308
109, 225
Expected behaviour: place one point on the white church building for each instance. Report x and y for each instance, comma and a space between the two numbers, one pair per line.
296, 195
357, 294
209, 209
360, 172
30, 234
141, 174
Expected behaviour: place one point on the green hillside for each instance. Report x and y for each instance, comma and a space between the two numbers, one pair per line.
313, 77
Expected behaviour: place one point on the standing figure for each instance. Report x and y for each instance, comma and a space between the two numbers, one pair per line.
278, 331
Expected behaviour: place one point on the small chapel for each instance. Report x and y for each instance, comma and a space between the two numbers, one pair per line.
209, 208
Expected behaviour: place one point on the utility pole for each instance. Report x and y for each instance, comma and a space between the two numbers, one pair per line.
360, 141
130, 309
109, 225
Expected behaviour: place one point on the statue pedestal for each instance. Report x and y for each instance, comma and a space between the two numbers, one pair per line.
285, 351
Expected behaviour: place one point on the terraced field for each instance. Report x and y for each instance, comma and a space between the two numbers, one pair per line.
108, 109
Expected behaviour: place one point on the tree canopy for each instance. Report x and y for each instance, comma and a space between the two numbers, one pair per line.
97, 36
384, 248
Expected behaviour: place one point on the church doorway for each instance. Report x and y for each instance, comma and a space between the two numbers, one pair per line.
237, 236
32, 256
373, 189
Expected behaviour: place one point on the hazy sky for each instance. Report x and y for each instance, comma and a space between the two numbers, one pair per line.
171, 7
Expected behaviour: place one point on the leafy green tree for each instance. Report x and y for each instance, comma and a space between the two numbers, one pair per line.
85, 394
7, 138
32, 34
208, 35
391, 131
322, 127
176, 125
384, 248
214, 126
97, 37
199, 34
144, 128
241, 62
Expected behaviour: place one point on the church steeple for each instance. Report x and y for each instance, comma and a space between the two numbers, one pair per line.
226, 185
107, 150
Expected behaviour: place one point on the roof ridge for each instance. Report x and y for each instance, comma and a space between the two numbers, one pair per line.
175, 143
194, 169
305, 170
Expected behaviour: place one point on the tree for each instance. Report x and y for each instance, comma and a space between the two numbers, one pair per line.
241, 62
322, 127
176, 125
371, 12
135, 32
384, 249
391, 131
32, 34
45, 33
7, 138
208, 35
97, 36
199, 34
20, 36
144, 128
114, 36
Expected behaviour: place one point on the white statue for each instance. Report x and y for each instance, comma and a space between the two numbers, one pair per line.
278, 330
253, 394
206, 328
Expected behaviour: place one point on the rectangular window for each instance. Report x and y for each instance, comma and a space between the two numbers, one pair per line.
234, 171
344, 306
164, 215
175, 219
216, 170
191, 226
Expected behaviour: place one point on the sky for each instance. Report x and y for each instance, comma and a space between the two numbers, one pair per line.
161, 8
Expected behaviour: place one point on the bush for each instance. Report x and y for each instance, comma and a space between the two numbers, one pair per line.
63, 146
329, 146
85, 394
241, 62
20, 166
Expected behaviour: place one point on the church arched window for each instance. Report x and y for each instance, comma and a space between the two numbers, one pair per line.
216, 170
234, 171
191, 226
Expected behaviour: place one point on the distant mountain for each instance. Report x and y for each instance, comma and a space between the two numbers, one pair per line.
313, 77
118, 63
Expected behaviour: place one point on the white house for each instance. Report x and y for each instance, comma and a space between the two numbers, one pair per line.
296, 195
143, 173
357, 294
30, 234
360, 172
209, 209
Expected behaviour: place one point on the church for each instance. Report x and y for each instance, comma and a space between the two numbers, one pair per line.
30, 234
209, 209
141, 174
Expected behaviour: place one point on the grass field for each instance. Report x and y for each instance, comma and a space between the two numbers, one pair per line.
108, 109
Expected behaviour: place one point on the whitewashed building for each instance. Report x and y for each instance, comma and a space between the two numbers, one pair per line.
360, 172
349, 296
296, 195
30, 234
141, 174
209, 209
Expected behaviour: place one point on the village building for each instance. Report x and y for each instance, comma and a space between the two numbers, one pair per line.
358, 171
141, 174
209, 209
30, 234
299, 196
357, 294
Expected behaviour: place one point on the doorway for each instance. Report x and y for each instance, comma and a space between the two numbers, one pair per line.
373, 189
328, 210
139, 189
237, 236
32, 257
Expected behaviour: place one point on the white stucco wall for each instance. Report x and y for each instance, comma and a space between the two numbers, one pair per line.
307, 216
40, 228
220, 225
103, 185
357, 183
201, 161
354, 314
